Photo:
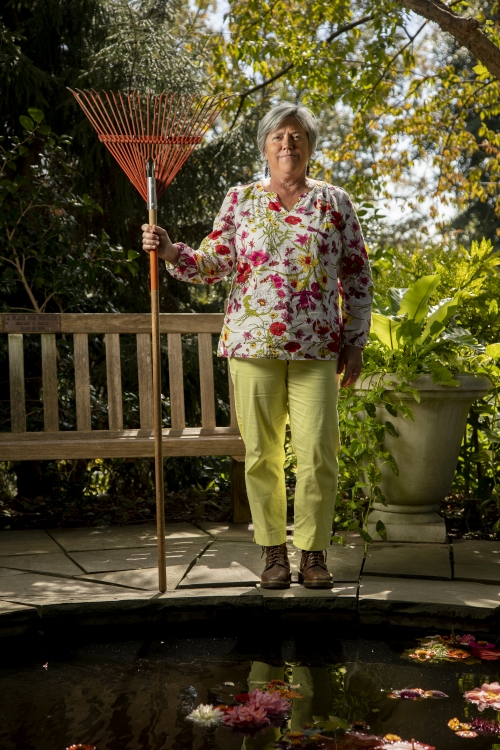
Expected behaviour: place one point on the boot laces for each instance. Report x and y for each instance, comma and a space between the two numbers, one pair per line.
275, 555
315, 557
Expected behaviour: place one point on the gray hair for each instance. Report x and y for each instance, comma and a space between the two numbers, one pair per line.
273, 119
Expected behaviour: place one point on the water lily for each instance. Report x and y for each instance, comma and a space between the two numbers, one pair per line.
416, 694
485, 726
246, 716
206, 715
273, 704
355, 740
487, 696
453, 648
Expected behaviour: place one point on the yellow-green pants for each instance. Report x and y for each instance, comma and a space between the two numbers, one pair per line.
265, 391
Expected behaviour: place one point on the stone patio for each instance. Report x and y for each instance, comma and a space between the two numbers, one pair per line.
113, 569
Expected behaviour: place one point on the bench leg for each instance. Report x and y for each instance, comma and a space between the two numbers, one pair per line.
239, 500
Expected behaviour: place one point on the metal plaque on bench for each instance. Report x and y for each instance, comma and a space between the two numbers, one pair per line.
32, 323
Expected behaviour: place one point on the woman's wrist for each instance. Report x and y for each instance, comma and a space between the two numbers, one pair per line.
171, 254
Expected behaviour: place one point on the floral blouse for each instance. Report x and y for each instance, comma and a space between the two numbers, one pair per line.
289, 270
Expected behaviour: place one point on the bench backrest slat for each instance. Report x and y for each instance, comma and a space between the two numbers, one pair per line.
82, 381
112, 326
145, 373
176, 377
16, 377
205, 358
49, 383
114, 378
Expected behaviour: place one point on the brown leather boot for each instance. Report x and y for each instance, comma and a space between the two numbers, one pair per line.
313, 572
276, 574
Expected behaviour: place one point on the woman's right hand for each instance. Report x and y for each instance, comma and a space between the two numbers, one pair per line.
156, 238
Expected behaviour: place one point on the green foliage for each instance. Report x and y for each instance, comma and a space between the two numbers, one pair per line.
416, 330
42, 250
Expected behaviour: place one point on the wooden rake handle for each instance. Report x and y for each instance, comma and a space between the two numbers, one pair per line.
159, 481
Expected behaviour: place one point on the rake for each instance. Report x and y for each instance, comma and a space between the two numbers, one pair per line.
151, 137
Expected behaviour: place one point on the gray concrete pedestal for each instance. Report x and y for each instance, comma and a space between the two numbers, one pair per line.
426, 450
407, 523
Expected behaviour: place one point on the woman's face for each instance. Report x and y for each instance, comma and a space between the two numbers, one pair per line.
287, 149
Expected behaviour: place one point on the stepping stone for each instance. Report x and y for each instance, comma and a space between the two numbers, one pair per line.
439, 598
30, 542
476, 561
180, 555
121, 537
30, 588
409, 560
58, 564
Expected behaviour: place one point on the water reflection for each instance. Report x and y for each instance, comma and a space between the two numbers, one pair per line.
316, 702
135, 696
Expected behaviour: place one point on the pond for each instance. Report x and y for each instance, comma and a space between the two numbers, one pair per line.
138, 693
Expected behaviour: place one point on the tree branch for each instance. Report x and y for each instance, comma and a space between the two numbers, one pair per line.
465, 30
284, 71
391, 61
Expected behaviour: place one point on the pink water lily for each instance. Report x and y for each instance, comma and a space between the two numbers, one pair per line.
246, 716
272, 703
487, 696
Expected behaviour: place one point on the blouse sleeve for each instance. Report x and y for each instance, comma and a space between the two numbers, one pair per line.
355, 279
216, 255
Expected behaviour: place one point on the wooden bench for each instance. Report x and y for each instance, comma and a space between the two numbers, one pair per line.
116, 442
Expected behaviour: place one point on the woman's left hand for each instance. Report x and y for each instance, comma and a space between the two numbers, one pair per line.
350, 363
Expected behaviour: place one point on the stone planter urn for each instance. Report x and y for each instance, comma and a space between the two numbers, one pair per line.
426, 452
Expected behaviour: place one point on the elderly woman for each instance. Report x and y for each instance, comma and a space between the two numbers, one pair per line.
292, 245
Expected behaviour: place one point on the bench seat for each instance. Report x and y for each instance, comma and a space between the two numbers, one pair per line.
191, 441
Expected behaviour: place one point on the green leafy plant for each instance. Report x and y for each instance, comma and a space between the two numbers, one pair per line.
414, 331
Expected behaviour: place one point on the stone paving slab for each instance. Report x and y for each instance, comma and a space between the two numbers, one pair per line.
234, 532
409, 560
121, 537
9, 572
344, 563
179, 553
195, 597
351, 538
229, 532
15, 619
30, 542
441, 598
232, 563
7, 607
145, 578
472, 552
485, 573
55, 563
30, 588
226, 564
299, 597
